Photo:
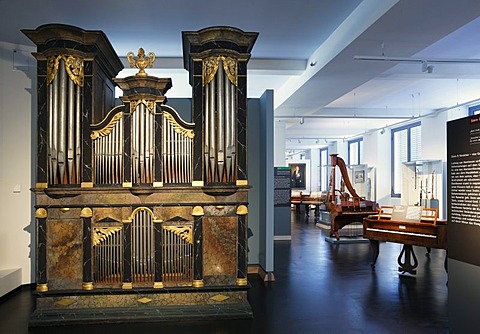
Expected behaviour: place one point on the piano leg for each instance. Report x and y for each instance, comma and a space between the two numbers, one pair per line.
407, 266
375, 251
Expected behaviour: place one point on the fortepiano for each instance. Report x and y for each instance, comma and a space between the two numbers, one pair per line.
316, 199
351, 208
429, 233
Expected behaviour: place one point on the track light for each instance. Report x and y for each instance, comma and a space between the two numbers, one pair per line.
426, 68
302, 120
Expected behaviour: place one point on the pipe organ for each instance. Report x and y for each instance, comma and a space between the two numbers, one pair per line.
139, 207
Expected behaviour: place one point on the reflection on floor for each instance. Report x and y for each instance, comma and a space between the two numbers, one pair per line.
319, 288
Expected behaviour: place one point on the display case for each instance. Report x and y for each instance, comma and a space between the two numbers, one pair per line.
422, 184
363, 178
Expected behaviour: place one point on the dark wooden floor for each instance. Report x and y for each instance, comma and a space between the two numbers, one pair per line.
319, 288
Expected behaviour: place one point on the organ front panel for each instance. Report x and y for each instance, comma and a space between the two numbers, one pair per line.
123, 205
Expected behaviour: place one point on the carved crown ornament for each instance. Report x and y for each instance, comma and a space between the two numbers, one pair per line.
210, 67
73, 66
141, 62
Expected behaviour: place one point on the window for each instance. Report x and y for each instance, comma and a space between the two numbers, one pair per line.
324, 169
406, 147
355, 151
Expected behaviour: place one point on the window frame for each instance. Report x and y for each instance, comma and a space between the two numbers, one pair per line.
359, 150
407, 127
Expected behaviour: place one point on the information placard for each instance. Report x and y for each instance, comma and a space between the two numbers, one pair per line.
282, 190
463, 186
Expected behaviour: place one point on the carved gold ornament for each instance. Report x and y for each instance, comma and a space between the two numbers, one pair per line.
210, 68
141, 62
101, 234
198, 211
73, 66
41, 213
177, 127
86, 213
183, 232
242, 210
150, 104
107, 128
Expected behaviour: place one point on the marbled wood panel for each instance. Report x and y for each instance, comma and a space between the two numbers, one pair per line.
219, 246
102, 213
64, 254
133, 300
168, 212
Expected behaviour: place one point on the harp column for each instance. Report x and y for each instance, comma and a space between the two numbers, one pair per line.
217, 59
143, 97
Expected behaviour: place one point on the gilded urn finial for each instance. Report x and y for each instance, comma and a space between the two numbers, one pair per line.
141, 62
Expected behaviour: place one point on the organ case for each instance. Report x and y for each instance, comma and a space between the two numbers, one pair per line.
132, 199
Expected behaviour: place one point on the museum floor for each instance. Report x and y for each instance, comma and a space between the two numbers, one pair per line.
319, 288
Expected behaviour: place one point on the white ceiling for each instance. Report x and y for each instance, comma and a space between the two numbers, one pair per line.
339, 97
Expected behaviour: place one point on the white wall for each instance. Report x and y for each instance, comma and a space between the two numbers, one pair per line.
16, 104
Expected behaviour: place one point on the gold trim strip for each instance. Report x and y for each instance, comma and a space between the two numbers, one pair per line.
158, 184
42, 287
87, 286
242, 182
127, 184
242, 210
241, 281
86, 185
127, 286
86, 213
198, 211
107, 128
197, 183
177, 127
158, 285
198, 283
41, 213
41, 185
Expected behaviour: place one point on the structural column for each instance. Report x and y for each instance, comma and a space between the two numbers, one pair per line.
127, 255
242, 245
158, 279
41, 216
198, 214
86, 214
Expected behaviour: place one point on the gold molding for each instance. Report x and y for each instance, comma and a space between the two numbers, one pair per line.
242, 182
86, 213
141, 62
42, 287
127, 184
86, 185
198, 283
241, 281
242, 210
41, 213
198, 211
142, 208
157, 184
87, 286
73, 65
183, 232
177, 127
158, 285
107, 128
41, 185
127, 285
64, 210
197, 183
